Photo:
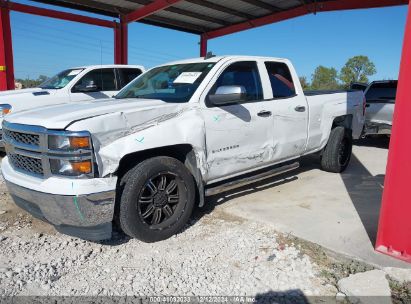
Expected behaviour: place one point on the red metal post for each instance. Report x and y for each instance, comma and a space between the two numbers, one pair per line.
394, 230
124, 41
203, 45
121, 42
6, 52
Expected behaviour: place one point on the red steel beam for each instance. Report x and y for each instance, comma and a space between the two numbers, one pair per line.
149, 9
203, 45
6, 52
28, 9
301, 11
121, 42
394, 230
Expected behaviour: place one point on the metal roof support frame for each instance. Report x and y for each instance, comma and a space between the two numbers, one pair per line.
394, 230
6, 45
314, 7
121, 42
121, 32
6, 51
149, 9
203, 45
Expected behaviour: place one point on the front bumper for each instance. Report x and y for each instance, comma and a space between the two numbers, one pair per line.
84, 216
79, 207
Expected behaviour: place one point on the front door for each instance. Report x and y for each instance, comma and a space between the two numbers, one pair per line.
238, 136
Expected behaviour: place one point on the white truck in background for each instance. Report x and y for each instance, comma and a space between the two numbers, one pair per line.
176, 134
71, 85
380, 96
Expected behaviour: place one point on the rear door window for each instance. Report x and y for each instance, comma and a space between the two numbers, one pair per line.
104, 79
128, 74
281, 80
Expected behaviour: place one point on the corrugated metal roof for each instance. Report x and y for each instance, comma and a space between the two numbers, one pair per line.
194, 16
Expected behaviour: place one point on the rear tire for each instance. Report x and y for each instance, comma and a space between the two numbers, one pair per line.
337, 153
157, 200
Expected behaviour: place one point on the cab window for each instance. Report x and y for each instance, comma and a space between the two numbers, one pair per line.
102, 79
127, 75
244, 74
281, 80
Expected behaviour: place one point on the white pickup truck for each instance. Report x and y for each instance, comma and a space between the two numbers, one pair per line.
71, 85
176, 134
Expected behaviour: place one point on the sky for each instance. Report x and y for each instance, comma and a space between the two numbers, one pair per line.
45, 46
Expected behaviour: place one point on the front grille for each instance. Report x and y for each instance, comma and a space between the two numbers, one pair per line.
25, 163
23, 138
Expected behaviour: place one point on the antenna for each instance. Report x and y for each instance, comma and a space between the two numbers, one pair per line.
101, 53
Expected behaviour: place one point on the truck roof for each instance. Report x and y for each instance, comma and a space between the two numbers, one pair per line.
99, 66
218, 58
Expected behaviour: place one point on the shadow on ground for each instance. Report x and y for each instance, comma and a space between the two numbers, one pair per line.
382, 142
365, 191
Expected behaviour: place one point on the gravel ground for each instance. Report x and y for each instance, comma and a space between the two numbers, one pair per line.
216, 255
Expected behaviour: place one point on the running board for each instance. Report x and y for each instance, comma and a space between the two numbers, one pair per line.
251, 179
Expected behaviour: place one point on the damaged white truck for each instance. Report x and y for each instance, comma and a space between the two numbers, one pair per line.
176, 134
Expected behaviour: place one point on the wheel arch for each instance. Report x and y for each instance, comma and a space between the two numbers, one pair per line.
182, 152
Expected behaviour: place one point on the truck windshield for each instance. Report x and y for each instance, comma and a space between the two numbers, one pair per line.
171, 83
60, 80
382, 91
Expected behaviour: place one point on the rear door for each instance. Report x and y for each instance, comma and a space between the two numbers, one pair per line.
238, 136
106, 83
290, 112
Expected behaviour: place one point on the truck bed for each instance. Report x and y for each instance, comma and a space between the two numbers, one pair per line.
324, 92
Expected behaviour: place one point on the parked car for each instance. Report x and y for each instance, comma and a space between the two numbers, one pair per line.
380, 96
178, 133
71, 85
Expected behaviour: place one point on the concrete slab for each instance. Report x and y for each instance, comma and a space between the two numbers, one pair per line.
337, 211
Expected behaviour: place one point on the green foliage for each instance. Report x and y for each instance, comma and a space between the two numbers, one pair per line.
325, 79
357, 69
32, 83
304, 83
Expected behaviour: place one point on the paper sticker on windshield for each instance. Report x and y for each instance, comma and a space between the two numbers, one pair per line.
74, 72
187, 77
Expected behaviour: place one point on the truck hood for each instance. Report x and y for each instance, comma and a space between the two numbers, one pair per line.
60, 116
27, 98
23, 91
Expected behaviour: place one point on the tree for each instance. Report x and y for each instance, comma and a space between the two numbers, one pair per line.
324, 79
32, 83
357, 69
304, 83
42, 78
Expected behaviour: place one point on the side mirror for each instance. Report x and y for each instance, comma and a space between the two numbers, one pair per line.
88, 87
226, 95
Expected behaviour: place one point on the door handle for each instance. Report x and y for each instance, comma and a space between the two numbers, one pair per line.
300, 108
264, 113
367, 105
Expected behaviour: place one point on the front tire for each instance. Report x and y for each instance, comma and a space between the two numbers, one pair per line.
157, 200
337, 153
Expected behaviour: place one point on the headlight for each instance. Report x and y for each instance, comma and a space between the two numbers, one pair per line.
69, 143
5, 109
71, 167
